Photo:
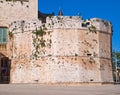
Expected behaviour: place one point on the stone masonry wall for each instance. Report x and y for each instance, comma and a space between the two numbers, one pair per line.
16, 10
105, 56
71, 52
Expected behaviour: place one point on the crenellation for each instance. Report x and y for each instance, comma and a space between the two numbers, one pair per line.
65, 23
101, 25
26, 25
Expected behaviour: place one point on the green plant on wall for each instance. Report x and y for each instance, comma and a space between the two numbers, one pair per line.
42, 42
39, 41
10, 35
92, 29
88, 24
41, 32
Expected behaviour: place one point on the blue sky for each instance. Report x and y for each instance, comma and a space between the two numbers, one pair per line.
105, 9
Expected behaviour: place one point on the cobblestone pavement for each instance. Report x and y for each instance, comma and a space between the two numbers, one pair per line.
36, 89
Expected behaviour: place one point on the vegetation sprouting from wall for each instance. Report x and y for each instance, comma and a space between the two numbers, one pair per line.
39, 42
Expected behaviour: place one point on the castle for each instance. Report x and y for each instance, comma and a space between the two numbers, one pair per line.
61, 50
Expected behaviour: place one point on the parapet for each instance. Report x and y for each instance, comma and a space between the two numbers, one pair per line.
64, 22
25, 25
76, 23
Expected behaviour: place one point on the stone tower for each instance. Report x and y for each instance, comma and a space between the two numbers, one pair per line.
69, 51
17, 10
12, 11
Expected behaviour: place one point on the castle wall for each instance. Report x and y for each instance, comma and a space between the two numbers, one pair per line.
72, 53
105, 56
16, 10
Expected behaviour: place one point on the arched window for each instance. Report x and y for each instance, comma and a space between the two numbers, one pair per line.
3, 35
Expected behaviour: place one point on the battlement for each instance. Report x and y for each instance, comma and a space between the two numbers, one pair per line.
77, 23
64, 22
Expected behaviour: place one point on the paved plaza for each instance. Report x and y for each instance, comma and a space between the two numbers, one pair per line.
36, 89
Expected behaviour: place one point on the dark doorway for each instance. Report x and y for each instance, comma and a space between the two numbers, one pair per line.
4, 70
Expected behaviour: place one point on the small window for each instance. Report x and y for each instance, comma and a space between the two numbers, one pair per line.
3, 35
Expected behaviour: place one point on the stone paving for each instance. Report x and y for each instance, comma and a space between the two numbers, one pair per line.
37, 89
